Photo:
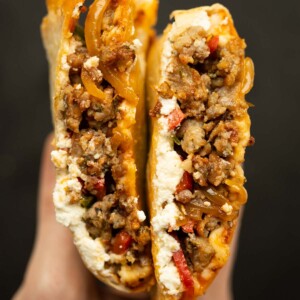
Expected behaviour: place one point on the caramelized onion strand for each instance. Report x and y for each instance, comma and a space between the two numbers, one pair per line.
93, 26
91, 86
195, 212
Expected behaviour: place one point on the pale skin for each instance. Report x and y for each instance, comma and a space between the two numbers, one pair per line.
55, 270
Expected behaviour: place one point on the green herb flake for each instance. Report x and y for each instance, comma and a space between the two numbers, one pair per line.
86, 201
176, 140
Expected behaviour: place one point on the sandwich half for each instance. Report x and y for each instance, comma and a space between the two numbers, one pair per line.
197, 80
97, 74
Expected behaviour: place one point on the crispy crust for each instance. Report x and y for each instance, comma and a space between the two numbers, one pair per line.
57, 36
221, 237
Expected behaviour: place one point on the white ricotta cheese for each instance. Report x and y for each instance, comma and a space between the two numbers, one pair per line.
141, 215
227, 208
63, 141
74, 169
207, 203
200, 43
74, 185
168, 173
59, 158
92, 62
169, 170
192, 18
170, 280
168, 273
137, 43
167, 105
223, 39
64, 64
166, 217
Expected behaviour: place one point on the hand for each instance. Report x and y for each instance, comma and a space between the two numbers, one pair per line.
55, 269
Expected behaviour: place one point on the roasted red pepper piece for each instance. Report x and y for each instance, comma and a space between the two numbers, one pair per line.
122, 242
213, 44
72, 24
184, 272
175, 118
100, 187
188, 227
83, 9
186, 182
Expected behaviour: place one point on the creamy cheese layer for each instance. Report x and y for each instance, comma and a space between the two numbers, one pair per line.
192, 19
167, 175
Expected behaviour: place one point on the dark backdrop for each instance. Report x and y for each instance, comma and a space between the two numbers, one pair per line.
268, 261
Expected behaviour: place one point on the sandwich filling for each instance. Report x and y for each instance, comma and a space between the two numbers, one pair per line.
203, 131
96, 119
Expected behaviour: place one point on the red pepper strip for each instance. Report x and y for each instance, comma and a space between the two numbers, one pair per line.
122, 242
213, 43
100, 187
186, 183
175, 118
188, 227
184, 272
83, 9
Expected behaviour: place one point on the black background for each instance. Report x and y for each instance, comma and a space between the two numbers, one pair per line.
268, 262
